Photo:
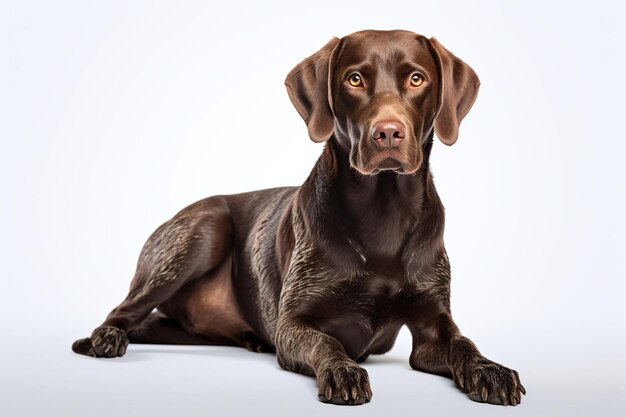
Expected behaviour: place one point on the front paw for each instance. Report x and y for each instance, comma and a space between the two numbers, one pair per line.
105, 341
345, 383
487, 381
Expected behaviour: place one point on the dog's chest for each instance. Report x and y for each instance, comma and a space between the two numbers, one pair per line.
363, 312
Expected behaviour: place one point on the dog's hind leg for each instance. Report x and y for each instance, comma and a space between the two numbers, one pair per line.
161, 330
191, 244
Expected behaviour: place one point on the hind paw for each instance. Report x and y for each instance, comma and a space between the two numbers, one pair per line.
105, 342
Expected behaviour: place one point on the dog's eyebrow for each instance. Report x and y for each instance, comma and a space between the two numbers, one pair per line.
411, 66
361, 67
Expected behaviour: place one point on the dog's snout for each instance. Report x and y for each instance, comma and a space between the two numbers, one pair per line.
388, 134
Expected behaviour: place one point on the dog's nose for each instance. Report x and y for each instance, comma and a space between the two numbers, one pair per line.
388, 134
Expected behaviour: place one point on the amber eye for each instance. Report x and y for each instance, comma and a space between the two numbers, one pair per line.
355, 79
417, 80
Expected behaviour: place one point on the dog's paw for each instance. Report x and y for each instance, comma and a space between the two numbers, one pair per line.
105, 342
486, 381
345, 383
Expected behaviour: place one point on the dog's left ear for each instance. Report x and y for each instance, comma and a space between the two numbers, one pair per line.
309, 88
458, 88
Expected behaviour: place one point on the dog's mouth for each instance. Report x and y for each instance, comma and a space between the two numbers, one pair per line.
388, 160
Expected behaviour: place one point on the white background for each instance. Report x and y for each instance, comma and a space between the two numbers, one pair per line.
116, 114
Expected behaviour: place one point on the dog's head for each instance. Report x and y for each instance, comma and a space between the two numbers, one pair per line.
381, 93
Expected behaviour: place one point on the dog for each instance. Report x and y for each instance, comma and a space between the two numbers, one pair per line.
327, 273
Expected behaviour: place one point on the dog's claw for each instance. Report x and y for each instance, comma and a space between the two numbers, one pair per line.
368, 391
461, 380
504, 398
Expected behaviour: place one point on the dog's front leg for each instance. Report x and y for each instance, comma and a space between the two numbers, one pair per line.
302, 348
439, 347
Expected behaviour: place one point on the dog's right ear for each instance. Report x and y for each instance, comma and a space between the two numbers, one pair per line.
309, 87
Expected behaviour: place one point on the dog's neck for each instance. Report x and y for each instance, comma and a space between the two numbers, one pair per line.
381, 210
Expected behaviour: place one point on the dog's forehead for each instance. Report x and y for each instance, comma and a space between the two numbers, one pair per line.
383, 48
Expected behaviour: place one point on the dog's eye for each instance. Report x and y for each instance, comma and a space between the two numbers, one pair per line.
417, 80
355, 80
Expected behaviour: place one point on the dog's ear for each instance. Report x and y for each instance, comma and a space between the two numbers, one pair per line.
458, 88
309, 88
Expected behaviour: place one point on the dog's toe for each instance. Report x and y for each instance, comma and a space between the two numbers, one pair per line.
83, 347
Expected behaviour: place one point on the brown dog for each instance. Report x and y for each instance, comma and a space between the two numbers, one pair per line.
327, 273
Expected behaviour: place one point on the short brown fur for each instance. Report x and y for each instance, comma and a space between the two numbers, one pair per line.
326, 274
